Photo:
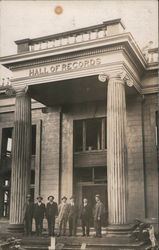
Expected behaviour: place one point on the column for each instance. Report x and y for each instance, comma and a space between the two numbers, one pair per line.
116, 150
21, 159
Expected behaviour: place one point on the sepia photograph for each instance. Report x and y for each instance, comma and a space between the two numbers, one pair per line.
79, 125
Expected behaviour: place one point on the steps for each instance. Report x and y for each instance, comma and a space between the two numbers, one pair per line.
75, 243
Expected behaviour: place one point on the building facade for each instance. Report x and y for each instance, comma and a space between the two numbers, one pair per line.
84, 108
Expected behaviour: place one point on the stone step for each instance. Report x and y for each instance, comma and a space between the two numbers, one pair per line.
35, 247
74, 243
93, 247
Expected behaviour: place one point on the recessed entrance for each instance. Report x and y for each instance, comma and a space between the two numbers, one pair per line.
90, 172
88, 182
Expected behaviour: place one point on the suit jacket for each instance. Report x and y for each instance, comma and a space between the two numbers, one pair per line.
98, 210
63, 211
29, 210
85, 212
51, 210
72, 211
39, 211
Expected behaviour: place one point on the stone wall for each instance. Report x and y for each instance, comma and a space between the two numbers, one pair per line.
150, 153
142, 158
136, 201
50, 154
67, 156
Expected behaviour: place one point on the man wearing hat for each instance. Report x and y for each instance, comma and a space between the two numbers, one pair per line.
63, 211
39, 212
72, 216
98, 214
51, 212
28, 216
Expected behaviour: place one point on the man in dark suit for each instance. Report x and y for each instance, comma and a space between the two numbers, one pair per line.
39, 212
51, 212
72, 216
85, 216
98, 215
28, 216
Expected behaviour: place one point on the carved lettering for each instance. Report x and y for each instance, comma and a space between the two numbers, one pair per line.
31, 72
57, 67
52, 68
75, 65
63, 67
98, 61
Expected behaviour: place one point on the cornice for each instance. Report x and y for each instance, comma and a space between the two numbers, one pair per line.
65, 49
65, 57
107, 42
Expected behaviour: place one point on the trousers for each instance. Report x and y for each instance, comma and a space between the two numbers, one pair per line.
51, 226
97, 226
85, 227
72, 225
28, 226
62, 226
39, 226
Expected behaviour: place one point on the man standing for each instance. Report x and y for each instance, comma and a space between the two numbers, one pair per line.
85, 216
98, 214
72, 216
63, 210
28, 216
39, 212
51, 212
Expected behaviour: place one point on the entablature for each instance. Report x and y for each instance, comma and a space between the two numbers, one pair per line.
113, 49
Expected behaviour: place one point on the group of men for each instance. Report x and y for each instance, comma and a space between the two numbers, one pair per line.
66, 212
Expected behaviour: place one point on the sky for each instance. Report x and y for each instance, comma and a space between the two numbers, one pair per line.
33, 18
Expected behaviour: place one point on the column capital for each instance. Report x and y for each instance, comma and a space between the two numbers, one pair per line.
118, 75
21, 90
12, 90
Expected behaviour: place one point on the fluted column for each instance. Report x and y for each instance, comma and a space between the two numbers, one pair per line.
21, 158
116, 150
116, 146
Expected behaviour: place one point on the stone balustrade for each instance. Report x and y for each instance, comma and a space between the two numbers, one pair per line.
77, 36
151, 55
67, 40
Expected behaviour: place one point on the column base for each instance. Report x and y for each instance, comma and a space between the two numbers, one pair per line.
120, 230
16, 228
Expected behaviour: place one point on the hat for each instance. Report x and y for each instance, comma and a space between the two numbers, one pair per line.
28, 196
97, 195
39, 197
85, 198
50, 196
72, 197
64, 197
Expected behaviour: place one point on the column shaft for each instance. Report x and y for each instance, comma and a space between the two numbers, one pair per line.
116, 151
21, 158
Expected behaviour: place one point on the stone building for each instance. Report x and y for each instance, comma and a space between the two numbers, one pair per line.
89, 99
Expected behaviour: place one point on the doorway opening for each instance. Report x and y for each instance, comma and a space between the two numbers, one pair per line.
90, 181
